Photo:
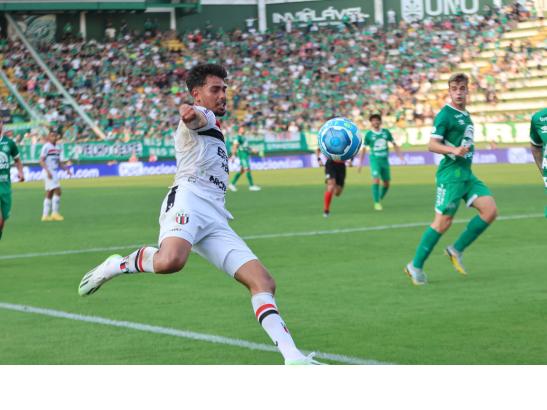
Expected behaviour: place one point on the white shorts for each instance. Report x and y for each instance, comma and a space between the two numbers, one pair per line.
52, 183
185, 215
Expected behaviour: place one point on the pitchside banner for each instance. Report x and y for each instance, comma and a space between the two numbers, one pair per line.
128, 169
270, 143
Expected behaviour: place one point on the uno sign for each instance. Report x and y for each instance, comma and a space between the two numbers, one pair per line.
327, 16
412, 10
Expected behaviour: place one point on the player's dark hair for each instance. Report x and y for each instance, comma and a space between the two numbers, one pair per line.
378, 116
197, 76
458, 78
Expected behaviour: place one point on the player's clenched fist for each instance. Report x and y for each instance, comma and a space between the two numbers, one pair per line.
187, 113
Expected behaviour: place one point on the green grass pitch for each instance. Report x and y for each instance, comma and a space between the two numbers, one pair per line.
341, 293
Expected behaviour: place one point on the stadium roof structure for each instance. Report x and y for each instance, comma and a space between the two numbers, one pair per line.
66, 5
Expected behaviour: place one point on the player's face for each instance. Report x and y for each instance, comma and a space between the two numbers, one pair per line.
376, 123
212, 95
52, 138
458, 93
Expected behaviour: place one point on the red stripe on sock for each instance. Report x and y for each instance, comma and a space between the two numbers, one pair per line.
139, 262
327, 200
263, 308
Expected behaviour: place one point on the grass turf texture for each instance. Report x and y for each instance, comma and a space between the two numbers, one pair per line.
340, 293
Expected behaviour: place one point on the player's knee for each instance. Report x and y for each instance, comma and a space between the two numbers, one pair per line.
265, 284
489, 215
442, 225
170, 264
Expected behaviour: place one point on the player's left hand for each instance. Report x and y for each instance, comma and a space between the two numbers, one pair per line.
21, 178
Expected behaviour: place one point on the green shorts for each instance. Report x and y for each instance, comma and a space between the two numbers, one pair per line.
244, 162
379, 168
5, 204
449, 194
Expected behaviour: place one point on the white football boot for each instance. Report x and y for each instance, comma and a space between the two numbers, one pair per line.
93, 280
417, 276
306, 360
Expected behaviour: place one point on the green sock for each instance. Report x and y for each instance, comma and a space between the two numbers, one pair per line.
1, 234
428, 242
235, 178
474, 228
383, 192
376, 192
250, 178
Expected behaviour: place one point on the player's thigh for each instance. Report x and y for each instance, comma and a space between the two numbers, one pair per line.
448, 197
52, 183
224, 249
5, 206
385, 172
486, 205
245, 164
340, 178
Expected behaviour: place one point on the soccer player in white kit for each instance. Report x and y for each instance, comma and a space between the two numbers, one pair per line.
51, 160
193, 216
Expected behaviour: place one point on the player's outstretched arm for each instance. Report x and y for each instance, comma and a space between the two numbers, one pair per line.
193, 118
436, 146
537, 153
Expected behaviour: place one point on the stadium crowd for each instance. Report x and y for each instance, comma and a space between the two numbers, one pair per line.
131, 83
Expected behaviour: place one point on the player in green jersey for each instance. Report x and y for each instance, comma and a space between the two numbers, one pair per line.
377, 140
452, 136
242, 149
538, 140
8, 153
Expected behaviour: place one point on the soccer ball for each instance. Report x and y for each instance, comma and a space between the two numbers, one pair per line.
339, 139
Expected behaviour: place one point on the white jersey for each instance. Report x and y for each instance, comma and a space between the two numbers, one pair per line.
202, 163
52, 156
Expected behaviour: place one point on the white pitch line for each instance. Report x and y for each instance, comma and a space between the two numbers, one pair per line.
266, 236
184, 334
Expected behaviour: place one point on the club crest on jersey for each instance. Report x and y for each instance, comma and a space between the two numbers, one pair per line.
181, 218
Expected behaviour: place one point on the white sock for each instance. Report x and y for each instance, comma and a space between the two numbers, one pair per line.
142, 260
47, 207
266, 312
56, 204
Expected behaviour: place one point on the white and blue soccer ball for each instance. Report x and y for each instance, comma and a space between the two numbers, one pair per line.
339, 139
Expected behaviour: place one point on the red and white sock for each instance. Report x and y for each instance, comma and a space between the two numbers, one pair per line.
267, 315
142, 260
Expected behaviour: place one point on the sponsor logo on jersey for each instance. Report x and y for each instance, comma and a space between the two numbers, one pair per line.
182, 218
4, 161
